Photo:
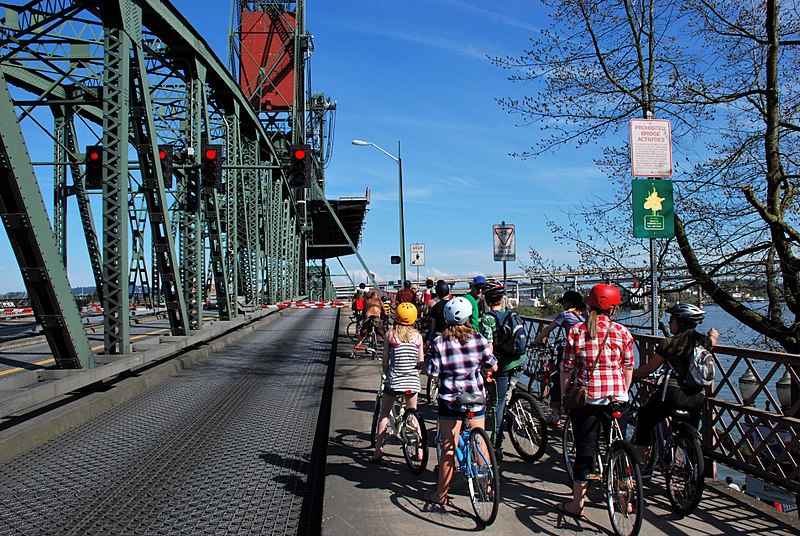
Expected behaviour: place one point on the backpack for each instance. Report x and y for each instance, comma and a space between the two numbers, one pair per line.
700, 372
511, 338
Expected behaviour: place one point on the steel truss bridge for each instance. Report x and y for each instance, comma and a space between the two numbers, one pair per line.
132, 76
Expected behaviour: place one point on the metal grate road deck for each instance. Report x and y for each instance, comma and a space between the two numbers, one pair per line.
223, 448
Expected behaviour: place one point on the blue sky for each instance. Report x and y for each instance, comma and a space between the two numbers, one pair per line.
418, 72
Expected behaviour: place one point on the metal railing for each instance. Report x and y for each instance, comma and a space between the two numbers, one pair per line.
750, 422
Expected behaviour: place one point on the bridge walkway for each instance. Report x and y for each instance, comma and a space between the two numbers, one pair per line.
364, 499
235, 445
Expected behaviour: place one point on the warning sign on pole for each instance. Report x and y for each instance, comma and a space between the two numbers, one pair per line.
505, 243
651, 148
417, 254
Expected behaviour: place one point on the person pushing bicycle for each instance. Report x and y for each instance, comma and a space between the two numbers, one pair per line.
574, 313
402, 358
459, 356
373, 310
675, 351
493, 292
599, 354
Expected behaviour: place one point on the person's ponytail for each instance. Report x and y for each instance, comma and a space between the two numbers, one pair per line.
591, 325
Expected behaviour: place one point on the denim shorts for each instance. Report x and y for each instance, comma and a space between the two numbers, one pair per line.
446, 413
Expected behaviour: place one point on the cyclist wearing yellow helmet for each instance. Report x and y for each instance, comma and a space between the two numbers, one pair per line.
402, 358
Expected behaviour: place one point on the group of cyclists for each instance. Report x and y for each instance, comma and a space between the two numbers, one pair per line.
451, 339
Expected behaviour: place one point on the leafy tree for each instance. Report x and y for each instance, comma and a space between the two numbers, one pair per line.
726, 75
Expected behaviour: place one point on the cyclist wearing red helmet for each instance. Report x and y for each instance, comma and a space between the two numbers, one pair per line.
598, 354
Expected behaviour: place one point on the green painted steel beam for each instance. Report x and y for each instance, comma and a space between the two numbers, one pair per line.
25, 218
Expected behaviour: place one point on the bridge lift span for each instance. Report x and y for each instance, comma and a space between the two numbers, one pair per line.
120, 104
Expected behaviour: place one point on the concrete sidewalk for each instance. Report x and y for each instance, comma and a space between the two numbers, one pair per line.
361, 498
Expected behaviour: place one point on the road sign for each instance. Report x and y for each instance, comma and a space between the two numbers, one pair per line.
653, 211
505, 243
651, 148
417, 254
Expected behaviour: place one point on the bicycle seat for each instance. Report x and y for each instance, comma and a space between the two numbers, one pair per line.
678, 413
467, 399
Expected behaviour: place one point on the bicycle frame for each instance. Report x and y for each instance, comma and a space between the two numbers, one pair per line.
462, 450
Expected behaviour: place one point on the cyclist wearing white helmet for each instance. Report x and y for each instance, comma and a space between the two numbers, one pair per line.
459, 356
676, 352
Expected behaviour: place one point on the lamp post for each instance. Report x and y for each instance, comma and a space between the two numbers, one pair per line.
399, 161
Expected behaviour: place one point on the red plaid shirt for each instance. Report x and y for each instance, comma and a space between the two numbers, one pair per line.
616, 355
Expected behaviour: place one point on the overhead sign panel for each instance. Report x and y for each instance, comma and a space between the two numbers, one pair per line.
505, 243
651, 148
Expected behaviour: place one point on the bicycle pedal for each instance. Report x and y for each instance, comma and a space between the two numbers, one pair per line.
595, 477
360, 347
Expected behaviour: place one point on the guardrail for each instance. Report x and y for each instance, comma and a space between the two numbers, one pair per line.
736, 431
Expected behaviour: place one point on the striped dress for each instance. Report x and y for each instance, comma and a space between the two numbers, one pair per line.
403, 374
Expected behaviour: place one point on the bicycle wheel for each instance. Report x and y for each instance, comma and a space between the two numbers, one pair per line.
483, 477
624, 489
432, 390
352, 330
414, 438
537, 384
376, 413
526, 426
568, 448
685, 478
372, 345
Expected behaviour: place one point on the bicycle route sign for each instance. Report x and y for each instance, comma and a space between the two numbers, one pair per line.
505, 243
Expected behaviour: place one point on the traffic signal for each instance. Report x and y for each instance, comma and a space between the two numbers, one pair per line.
211, 166
165, 154
300, 166
94, 167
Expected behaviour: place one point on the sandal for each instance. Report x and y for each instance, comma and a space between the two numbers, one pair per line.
561, 508
377, 458
432, 497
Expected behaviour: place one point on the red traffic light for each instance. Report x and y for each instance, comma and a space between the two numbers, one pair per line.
210, 154
94, 155
162, 154
300, 153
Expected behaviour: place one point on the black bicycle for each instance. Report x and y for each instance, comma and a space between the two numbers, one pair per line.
524, 422
354, 327
616, 465
677, 453
541, 367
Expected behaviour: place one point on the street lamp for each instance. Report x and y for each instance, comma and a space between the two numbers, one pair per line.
400, 185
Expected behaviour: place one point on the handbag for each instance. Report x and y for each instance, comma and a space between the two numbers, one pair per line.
576, 394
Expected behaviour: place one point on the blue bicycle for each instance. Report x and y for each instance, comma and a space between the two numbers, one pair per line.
475, 460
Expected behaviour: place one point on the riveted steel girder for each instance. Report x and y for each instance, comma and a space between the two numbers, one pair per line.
130, 75
25, 219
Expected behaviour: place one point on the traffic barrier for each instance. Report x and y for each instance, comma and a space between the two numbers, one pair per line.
308, 305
